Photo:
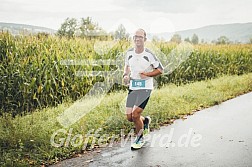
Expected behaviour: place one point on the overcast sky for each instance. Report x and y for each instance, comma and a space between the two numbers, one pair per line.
153, 15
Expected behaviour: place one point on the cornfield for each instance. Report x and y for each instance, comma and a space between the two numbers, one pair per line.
31, 76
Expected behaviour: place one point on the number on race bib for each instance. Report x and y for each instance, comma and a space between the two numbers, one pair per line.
138, 83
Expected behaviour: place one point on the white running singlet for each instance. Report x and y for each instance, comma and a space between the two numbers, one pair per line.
143, 62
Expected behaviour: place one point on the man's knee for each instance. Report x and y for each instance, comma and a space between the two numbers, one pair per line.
137, 113
135, 117
129, 114
129, 118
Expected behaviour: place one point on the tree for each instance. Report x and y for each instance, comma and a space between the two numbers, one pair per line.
68, 28
43, 35
121, 33
195, 39
176, 38
222, 40
89, 28
250, 40
187, 39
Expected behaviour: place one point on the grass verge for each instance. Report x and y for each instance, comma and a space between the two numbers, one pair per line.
26, 140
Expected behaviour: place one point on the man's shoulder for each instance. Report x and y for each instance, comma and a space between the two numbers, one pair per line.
149, 51
129, 52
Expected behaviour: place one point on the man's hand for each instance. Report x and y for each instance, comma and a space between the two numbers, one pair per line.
143, 75
126, 80
153, 73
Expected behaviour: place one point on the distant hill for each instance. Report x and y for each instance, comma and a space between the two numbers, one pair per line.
16, 29
236, 32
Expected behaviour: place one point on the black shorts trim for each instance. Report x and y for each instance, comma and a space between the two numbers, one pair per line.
138, 98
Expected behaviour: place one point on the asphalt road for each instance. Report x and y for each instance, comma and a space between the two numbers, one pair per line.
217, 136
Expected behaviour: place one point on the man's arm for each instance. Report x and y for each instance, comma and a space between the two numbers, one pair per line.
126, 77
126, 70
153, 73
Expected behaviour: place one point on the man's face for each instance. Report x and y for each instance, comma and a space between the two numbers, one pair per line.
139, 38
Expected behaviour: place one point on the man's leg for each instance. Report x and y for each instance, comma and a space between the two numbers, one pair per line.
130, 102
133, 113
138, 120
141, 102
129, 111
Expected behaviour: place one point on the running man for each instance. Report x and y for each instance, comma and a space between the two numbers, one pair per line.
141, 65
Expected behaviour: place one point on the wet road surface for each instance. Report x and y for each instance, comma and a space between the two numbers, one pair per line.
217, 136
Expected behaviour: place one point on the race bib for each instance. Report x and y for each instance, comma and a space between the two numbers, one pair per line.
136, 83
